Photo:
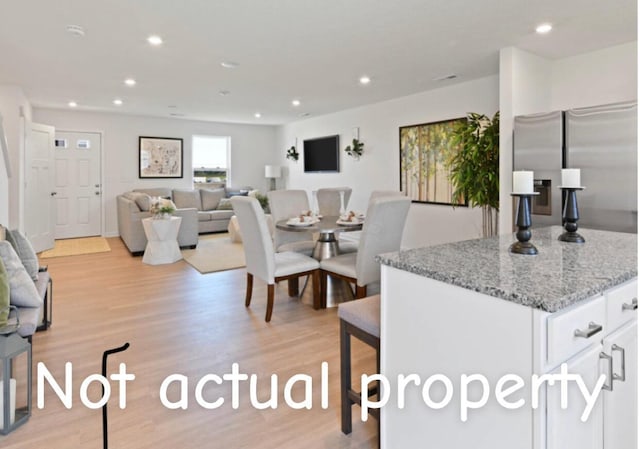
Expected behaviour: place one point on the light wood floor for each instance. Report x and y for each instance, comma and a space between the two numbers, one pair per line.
179, 321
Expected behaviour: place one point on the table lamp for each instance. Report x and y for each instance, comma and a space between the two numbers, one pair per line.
272, 172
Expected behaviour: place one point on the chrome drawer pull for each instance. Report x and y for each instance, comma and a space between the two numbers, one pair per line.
632, 306
609, 360
590, 332
623, 376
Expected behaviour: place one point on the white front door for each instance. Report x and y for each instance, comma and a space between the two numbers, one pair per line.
38, 211
78, 188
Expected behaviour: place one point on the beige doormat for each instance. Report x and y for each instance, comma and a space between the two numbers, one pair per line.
75, 247
215, 252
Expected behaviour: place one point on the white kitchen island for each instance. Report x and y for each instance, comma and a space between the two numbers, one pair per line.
472, 308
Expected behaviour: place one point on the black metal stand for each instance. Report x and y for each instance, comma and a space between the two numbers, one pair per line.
523, 222
105, 442
570, 216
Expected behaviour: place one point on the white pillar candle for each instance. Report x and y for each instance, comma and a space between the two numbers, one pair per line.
571, 177
523, 181
12, 404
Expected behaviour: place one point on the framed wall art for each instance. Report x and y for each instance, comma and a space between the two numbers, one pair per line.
425, 150
160, 157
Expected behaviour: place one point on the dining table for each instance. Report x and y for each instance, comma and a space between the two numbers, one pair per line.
327, 230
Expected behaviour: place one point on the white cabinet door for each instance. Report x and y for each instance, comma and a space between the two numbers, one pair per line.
565, 430
620, 404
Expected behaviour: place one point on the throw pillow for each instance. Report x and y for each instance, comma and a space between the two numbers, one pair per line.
211, 198
3, 232
22, 290
185, 199
225, 204
25, 252
142, 200
4, 295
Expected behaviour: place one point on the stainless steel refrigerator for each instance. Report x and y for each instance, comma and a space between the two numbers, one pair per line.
602, 142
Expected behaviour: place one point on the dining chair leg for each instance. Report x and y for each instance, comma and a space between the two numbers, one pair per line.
361, 291
345, 378
247, 299
317, 297
323, 288
270, 294
293, 286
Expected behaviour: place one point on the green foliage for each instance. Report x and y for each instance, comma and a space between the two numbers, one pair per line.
475, 169
292, 154
166, 210
264, 202
356, 149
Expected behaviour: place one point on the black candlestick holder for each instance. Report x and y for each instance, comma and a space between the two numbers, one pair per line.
570, 216
523, 222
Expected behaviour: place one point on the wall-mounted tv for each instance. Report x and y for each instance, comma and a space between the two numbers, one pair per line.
322, 154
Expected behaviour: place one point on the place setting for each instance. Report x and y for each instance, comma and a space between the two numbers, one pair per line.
350, 218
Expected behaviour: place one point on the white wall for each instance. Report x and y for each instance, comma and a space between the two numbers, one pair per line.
379, 167
600, 77
13, 106
252, 147
4, 184
531, 84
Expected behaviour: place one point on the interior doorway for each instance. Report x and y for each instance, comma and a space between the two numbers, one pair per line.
77, 190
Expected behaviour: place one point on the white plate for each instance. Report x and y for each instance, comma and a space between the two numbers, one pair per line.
349, 223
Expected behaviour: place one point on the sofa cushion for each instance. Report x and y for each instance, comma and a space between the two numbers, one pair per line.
204, 215
221, 214
4, 295
142, 200
25, 252
211, 198
162, 192
186, 199
225, 204
22, 291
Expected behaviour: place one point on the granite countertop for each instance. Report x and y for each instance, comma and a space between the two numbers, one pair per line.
560, 274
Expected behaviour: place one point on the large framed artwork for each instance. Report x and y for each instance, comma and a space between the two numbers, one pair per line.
160, 157
425, 150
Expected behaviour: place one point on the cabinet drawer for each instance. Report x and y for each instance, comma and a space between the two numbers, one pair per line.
588, 318
620, 305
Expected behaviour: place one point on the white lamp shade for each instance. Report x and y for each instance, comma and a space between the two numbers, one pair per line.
272, 171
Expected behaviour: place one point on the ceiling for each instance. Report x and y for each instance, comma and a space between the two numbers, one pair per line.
311, 50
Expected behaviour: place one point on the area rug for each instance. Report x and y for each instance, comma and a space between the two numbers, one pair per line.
215, 252
75, 247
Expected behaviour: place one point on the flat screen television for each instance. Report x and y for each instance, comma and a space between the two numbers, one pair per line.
322, 154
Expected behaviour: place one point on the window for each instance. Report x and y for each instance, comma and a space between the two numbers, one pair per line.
210, 160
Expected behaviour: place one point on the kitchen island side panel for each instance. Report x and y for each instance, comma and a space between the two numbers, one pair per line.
430, 327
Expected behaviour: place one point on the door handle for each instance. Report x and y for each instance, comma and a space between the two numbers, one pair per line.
632, 306
54, 193
97, 193
609, 360
590, 332
623, 375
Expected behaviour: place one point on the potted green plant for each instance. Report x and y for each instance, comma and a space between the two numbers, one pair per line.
292, 154
162, 210
355, 150
474, 170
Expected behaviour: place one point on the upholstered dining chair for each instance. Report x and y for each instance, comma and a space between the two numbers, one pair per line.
285, 204
381, 233
263, 262
329, 200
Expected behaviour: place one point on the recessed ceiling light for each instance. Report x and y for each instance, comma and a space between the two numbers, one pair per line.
543, 28
365, 80
296, 102
117, 102
229, 64
72, 104
76, 30
224, 93
130, 82
172, 106
154, 40
176, 114
257, 115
